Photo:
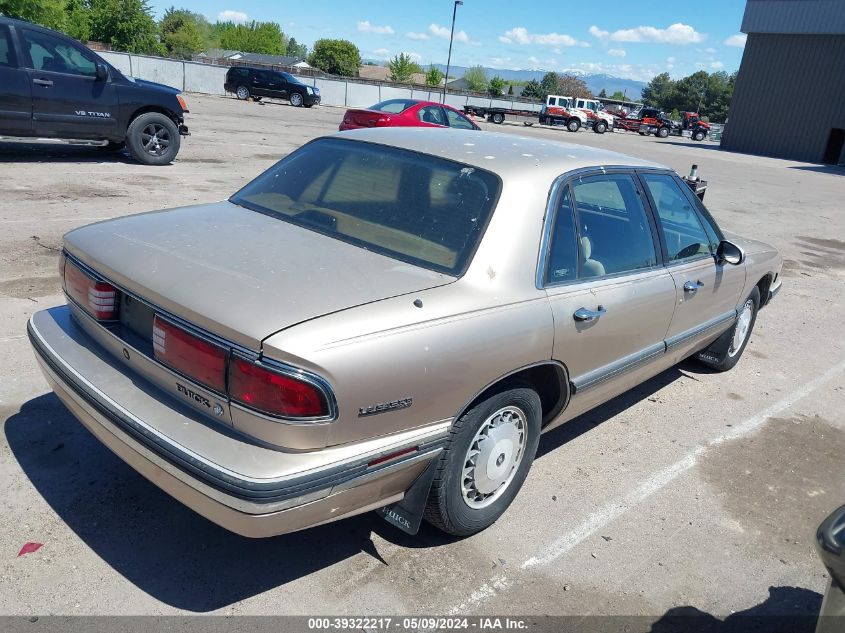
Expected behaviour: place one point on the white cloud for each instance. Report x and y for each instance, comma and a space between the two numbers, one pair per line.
416, 36
677, 33
238, 17
737, 40
616, 52
381, 53
442, 32
717, 65
670, 60
710, 50
415, 57
534, 61
520, 35
365, 27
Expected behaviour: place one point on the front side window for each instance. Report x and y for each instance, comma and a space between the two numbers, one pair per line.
413, 207
7, 54
52, 54
614, 233
459, 121
432, 114
682, 230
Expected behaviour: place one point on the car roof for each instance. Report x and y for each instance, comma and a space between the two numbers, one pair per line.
508, 155
30, 25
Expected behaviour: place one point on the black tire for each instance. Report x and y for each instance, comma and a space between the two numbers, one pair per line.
698, 136
296, 100
112, 147
153, 139
600, 127
723, 354
242, 92
447, 508
528, 123
497, 118
573, 125
662, 132
309, 105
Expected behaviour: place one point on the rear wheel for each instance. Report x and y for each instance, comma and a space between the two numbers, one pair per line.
497, 118
153, 139
296, 99
600, 127
663, 132
573, 125
724, 353
242, 93
484, 464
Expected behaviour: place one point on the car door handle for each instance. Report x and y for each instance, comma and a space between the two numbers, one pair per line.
583, 314
693, 286
43, 82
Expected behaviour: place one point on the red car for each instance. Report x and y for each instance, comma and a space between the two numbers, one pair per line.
406, 113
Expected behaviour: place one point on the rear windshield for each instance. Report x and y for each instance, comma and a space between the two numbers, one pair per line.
417, 208
393, 106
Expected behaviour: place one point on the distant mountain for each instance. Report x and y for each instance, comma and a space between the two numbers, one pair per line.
596, 82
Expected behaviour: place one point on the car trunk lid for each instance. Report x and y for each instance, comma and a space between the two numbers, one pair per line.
366, 118
237, 273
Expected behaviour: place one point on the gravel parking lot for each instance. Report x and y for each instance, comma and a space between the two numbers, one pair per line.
696, 492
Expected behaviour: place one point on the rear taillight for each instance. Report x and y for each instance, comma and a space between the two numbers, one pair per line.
381, 122
190, 355
271, 392
97, 298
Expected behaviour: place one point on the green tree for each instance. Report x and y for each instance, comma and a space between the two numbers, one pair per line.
126, 25
533, 90
548, 84
265, 38
510, 89
618, 95
496, 86
337, 57
49, 13
184, 33
660, 92
433, 76
603, 94
402, 68
78, 20
295, 49
476, 79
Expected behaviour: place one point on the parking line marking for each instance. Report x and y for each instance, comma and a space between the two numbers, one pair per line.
662, 478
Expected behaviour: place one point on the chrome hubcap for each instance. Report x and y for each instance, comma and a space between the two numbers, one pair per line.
493, 457
743, 325
242, 93
295, 99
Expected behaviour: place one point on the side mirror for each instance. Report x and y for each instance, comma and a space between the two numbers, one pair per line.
102, 72
730, 253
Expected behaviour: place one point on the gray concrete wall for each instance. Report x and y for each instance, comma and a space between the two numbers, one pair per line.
789, 95
208, 79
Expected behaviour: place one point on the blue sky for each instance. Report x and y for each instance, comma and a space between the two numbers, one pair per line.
629, 39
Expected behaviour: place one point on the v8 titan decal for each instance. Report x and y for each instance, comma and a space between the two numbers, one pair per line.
384, 407
96, 115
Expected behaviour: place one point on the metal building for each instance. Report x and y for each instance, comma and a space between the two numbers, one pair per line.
789, 98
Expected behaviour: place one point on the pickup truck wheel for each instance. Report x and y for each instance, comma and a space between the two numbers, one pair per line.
662, 132
497, 118
484, 464
152, 139
600, 127
724, 353
242, 93
573, 125
698, 136
296, 99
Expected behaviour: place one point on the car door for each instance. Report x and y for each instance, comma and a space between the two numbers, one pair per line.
432, 116
265, 83
707, 292
68, 101
15, 94
611, 298
285, 87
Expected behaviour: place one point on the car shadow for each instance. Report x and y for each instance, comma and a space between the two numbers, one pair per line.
699, 144
785, 610
60, 153
181, 558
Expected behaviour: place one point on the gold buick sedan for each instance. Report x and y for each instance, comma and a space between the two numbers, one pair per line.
388, 320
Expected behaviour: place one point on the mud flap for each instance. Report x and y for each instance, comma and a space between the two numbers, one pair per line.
407, 514
718, 349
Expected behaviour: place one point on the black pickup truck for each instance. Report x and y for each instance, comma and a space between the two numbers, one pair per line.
52, 87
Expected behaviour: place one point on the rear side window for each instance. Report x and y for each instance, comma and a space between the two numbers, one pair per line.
53, 54
393, 106
7, 53
417, 208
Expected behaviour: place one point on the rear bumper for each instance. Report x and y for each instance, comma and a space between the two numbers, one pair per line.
284, 493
